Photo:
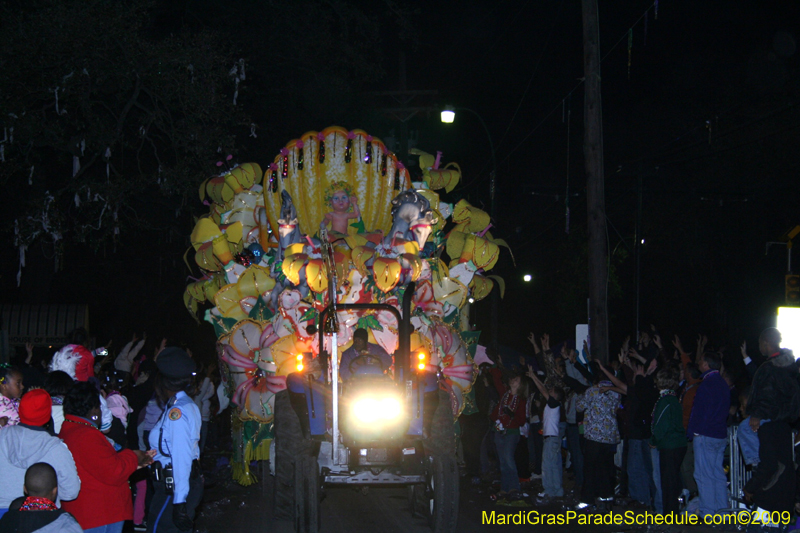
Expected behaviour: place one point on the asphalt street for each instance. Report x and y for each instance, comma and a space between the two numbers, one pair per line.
229, 507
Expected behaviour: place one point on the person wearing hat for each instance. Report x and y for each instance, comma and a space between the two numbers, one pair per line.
363, 357
104, 503
28, 443
178, 481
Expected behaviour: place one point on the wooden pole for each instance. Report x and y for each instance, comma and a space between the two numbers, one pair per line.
595, 189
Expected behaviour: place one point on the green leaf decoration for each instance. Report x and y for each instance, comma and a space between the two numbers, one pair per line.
470, 338
222, 325
310, 314
261, 311
452, 319
369, 322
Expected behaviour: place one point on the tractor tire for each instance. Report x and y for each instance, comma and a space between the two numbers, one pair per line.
437, 500
418, 501
307, 495
290, 448
441, 439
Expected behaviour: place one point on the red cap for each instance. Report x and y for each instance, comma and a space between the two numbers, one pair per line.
35, 407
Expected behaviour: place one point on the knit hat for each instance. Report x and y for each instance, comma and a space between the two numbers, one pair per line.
35, 407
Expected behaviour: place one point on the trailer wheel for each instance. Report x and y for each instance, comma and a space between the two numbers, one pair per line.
290, 447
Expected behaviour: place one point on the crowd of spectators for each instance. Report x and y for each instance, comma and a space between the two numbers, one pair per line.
74, 434
651, 430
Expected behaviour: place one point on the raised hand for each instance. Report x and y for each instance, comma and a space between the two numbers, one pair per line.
633, 353
657, 340
676, 342
744, 349
532, 339
702, 340
626, 343
652, 367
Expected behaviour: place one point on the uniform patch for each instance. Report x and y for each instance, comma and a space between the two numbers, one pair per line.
174, 413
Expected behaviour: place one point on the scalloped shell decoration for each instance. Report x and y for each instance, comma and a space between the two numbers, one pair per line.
373, 174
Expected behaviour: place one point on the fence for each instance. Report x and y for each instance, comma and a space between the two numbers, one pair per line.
738, 472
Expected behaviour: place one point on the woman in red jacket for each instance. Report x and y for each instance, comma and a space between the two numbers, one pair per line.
508, 417
104, 502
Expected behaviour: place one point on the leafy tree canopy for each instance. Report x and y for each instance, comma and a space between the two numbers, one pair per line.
101, 119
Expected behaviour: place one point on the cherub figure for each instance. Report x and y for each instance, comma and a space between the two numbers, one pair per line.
345, 207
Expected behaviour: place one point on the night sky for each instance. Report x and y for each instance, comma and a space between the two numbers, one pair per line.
705, 125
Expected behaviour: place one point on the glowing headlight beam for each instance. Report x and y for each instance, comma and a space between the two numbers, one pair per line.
372, 410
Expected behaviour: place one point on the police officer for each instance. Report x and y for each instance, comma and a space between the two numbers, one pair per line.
178, 482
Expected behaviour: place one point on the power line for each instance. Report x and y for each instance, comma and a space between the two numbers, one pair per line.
533, 74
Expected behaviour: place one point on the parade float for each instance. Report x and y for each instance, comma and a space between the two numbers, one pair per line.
266, 276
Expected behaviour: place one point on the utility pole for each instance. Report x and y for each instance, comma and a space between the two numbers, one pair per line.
404, 105
595, 189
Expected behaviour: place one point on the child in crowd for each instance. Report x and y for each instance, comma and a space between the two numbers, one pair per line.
11, 388
119, 407
669, 437
551, 453
37, 511
508, 416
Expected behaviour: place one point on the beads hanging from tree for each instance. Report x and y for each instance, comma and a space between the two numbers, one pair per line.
285, 168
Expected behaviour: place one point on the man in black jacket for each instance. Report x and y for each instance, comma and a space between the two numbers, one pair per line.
774, 393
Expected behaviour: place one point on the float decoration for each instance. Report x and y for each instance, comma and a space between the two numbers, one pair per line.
264, 277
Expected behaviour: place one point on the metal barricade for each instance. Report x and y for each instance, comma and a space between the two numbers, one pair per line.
739, 474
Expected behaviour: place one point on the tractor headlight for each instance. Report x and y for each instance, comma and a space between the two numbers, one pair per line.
377, 410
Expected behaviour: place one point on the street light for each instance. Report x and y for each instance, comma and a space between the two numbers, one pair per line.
448, 117
448, 114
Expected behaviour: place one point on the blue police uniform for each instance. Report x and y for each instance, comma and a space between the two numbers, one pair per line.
175, 439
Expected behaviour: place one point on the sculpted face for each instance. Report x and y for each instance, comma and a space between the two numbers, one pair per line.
340, 202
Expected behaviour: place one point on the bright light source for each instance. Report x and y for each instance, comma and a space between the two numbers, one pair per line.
789, 326
391, 408
299, 367
448, 114
299, 357
370, 410
421, 355
471, 300
527, 277
421, 366
642, 241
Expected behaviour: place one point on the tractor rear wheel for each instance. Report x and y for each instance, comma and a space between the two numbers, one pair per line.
290, 448
437, 500
307, 495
